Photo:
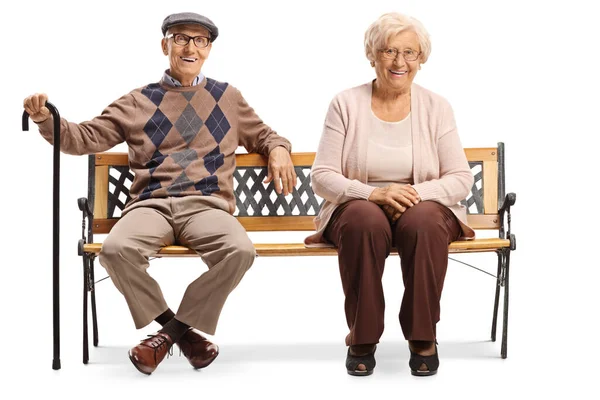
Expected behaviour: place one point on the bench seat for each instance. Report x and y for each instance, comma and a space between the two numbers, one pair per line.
298, 249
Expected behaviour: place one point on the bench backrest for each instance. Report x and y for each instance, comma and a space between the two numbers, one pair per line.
259, 208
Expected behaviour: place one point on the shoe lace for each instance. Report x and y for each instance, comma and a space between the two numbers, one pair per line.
158, 342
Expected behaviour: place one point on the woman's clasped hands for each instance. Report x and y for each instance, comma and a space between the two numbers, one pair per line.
395, 199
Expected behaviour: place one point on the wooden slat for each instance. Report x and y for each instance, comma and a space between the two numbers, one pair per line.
490, 187
101, 226
452, 251
101, 192
251, 160
251, 224
262, 224
479, 244
482, 154
303, 159
300, 159
480, 221
298, 249
242, 160
256, 160
116, 159
255, 224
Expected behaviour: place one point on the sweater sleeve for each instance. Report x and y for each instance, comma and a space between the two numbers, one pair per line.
326, 174
456, 179
254, 134
100, 134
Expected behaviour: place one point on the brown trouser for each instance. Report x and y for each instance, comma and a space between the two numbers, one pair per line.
190, 221
364, 238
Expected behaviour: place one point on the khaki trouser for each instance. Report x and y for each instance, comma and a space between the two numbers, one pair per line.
191, 221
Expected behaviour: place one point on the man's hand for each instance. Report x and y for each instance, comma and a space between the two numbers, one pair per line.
35, 105
281, 167
395, 199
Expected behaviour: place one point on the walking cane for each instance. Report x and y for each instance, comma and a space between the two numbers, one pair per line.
55, 229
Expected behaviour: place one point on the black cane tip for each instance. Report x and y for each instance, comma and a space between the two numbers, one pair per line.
25, 121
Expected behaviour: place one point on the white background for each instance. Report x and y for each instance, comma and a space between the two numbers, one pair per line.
521, 72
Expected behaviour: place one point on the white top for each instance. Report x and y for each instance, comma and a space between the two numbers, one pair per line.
389, 153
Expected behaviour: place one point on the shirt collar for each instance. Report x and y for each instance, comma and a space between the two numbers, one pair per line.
168, 79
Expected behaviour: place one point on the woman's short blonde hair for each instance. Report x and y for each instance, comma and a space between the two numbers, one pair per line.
391, 24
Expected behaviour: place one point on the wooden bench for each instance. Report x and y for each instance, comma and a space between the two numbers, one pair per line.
259, 208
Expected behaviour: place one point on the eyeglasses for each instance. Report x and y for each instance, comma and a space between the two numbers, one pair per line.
183, 39
408, 54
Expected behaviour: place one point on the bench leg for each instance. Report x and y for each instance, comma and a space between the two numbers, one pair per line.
85, 307
497, 298
93, 293
503, 350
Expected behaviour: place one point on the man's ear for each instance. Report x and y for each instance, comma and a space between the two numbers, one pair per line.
165, 49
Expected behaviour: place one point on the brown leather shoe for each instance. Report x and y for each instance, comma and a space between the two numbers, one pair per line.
199, 351
150, 352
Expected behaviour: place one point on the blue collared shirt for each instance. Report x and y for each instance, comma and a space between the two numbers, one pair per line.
174, 82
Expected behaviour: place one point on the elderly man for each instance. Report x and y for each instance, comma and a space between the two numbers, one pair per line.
182, 134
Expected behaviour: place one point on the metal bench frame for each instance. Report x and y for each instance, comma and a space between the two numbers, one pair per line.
259, 208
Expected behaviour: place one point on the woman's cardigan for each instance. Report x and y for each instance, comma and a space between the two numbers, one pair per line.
339, 174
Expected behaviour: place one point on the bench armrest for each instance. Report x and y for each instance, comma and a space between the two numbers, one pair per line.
509, 201
84, 207
504, 214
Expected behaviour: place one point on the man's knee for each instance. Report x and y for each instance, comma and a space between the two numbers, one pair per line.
111, 249
243, 251
115, 250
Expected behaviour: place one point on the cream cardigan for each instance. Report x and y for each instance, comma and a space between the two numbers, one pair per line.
440, 169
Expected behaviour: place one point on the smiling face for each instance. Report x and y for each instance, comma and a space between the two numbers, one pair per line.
397, 75
186, 61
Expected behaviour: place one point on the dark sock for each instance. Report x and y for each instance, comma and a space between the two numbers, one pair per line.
175, 329
165, 317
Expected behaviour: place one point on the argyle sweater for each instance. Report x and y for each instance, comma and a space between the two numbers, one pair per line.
182, 140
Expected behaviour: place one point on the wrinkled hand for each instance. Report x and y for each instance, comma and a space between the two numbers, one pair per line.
391, 213
281, 168
395, 199
35, 105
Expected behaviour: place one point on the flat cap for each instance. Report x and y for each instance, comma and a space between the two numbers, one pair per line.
190, 18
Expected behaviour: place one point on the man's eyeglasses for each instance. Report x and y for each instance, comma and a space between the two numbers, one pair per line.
408, 54
183, 39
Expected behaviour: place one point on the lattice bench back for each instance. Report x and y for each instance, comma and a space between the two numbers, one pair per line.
259, 208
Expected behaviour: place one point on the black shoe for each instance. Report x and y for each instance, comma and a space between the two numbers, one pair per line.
368, 360
432, 362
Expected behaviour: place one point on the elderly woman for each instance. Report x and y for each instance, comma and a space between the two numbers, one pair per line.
392, 170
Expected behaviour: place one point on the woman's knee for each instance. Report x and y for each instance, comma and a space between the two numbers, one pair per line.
365, 218
362, 221
426, 217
